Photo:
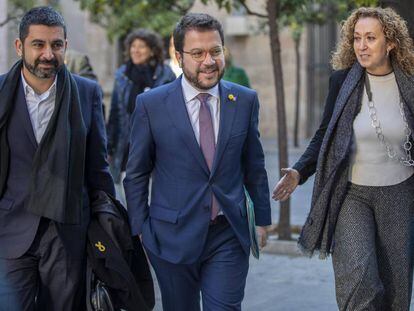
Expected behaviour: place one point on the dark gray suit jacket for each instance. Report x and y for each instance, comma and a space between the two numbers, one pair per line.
18, 227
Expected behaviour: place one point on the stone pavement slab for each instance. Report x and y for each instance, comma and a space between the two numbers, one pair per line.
280, 282
283, 283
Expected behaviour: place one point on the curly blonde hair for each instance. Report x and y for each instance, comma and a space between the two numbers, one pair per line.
395, 31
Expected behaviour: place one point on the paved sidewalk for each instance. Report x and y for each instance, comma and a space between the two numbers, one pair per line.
300, 199
287, 283
280, 282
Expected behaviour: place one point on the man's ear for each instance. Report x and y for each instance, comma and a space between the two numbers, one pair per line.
18, 45
179, 58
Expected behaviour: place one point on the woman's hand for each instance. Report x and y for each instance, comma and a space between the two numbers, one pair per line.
286, 185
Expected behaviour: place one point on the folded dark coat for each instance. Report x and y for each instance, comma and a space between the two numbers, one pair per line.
115, 258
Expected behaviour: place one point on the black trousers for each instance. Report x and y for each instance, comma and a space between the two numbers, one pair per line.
374, 248
44, 278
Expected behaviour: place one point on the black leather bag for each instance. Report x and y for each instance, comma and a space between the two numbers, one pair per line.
100, 298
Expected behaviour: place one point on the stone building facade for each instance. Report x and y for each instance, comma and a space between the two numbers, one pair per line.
249, 45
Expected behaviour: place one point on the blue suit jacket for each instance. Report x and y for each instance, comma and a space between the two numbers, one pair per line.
163, 146
18, 227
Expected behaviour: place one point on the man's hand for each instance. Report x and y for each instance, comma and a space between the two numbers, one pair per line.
261, 236
286, 185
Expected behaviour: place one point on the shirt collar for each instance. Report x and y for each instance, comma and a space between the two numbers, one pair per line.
190, 92
28, 89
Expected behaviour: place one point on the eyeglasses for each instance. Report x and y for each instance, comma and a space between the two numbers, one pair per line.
200, 55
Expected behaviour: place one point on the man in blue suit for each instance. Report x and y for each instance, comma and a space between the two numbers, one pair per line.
53, 154
198, 139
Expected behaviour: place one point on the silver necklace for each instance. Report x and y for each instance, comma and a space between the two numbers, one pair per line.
375, 123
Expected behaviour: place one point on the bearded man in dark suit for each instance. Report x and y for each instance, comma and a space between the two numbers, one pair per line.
53, 154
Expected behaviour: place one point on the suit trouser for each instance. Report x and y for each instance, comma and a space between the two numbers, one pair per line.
120, 191
44, 274
220, 274
373, 248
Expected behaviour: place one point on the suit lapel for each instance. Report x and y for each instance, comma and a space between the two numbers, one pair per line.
23, 113
227, 113
175, 105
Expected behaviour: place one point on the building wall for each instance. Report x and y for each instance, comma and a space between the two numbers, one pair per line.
90, 39
83, 36
250, 49
3, 37
252, 52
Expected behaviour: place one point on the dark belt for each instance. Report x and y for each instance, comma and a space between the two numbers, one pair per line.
220, 219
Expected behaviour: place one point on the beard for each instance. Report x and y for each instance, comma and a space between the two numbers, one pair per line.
42, 73
193, 78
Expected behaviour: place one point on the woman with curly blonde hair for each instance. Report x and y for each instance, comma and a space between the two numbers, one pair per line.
362, 209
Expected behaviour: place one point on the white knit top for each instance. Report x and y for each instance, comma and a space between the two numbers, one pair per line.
370, 164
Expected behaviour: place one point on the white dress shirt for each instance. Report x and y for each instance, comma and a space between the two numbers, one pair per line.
40, 107
193, 106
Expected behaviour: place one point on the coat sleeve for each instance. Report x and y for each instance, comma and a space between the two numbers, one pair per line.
255, 176
306, 165
113, 127
168, 74
85, 68
98, 176
139, 167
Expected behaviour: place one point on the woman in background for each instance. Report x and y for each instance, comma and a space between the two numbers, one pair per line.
144, 69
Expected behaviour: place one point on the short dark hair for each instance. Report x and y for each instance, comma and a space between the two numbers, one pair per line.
152, 39
195, 21
42, 15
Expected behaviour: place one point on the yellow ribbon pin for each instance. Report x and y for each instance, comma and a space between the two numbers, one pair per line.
232, 97
100, 246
